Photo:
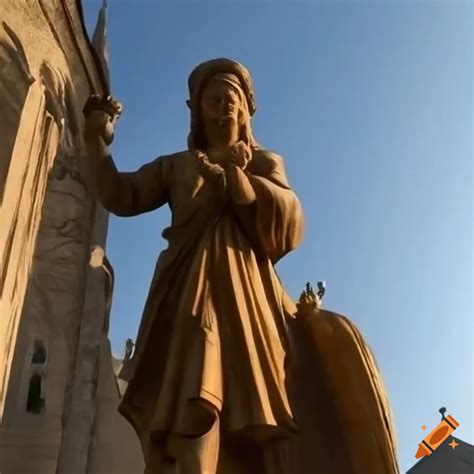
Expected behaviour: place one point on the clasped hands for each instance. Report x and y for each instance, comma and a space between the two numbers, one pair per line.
227, 172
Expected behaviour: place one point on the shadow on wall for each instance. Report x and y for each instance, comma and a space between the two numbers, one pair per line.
15, 80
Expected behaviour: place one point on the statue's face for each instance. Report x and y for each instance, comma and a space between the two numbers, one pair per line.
220, 103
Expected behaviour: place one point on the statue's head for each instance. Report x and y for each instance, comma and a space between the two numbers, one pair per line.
221, 92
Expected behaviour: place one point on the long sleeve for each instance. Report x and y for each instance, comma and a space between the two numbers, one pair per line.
130, 194
275, 221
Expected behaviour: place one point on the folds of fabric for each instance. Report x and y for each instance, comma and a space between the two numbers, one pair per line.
359, 398
213, 329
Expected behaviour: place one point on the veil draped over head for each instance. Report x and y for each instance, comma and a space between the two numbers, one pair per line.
197, 81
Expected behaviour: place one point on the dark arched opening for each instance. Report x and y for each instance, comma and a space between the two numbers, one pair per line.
39, 354
35, 402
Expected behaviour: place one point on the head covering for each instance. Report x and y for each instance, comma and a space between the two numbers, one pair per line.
201, 75
228, 78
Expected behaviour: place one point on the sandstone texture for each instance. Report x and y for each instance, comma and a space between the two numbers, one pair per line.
58, 392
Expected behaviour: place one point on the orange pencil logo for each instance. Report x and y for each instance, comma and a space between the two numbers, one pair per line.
437, 436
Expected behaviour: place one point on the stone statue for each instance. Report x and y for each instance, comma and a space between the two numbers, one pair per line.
208, 390
129, 345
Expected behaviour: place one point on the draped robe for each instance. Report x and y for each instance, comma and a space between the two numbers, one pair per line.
213, 328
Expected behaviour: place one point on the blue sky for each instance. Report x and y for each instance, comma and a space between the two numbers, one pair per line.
370, 103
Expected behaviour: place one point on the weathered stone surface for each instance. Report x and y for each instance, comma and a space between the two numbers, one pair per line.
343, 412
58, 395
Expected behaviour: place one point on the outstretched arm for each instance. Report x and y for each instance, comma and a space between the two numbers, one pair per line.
124, 194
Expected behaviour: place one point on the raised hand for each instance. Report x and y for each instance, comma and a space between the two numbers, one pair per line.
100, 115
239, 187
240, 155
226, 170
211, 171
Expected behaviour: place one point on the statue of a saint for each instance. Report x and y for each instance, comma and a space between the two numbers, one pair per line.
210, 353
211, 389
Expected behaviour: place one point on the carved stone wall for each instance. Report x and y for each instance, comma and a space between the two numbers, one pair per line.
16, 80
58, 395
36, 136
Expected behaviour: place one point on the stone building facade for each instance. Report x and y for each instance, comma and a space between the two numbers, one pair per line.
58, 392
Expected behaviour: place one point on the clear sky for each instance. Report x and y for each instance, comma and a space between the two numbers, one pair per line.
370, 104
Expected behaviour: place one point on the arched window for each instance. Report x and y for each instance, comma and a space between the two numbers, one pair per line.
39, 354
35, 401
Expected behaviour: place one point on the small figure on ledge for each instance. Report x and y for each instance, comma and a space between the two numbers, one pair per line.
129, 346
310, 301
321, 289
